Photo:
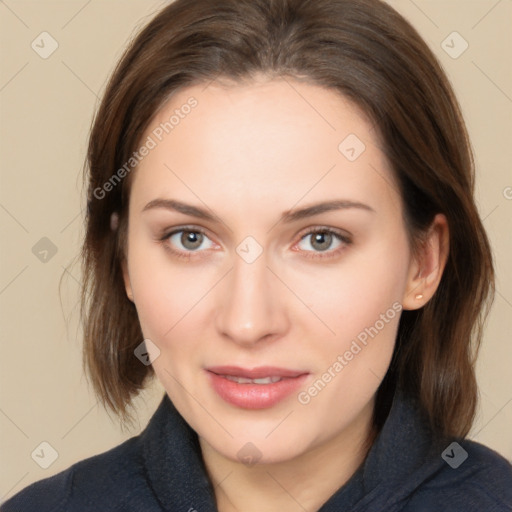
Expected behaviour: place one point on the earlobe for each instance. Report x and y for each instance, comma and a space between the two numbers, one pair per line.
427, 267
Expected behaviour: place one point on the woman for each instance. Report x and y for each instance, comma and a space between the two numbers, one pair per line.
281, 227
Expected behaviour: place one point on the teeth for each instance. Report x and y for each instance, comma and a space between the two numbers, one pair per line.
244, 380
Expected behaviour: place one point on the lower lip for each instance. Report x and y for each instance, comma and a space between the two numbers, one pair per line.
255, 396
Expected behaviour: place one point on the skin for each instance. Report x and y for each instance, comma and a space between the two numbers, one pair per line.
247, 153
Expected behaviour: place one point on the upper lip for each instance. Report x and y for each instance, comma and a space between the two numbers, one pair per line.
255, 373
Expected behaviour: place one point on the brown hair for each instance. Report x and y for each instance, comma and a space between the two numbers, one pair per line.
367, 52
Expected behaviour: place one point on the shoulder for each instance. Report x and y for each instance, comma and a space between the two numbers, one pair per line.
472, 478
112, 479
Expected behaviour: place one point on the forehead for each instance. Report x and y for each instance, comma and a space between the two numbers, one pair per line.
274, 138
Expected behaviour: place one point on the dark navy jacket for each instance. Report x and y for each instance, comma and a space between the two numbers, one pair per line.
162, 470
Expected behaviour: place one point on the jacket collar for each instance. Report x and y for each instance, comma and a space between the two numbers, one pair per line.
402, 456
174, 464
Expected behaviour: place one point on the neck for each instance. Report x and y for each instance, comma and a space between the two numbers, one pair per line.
305, 482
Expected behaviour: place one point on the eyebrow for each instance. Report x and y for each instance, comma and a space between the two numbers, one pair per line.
287, 217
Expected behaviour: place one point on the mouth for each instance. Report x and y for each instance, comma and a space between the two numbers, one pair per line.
256, 388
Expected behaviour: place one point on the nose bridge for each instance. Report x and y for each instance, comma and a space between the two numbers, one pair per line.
248, 309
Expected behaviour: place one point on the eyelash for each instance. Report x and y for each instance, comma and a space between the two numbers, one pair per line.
346, 241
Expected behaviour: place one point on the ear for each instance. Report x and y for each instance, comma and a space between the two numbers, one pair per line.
126, 278
426, 268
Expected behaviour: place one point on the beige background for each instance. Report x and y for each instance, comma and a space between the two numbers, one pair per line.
46, 110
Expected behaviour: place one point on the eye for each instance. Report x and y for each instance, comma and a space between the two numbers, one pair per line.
187, 241
323, 240
184, 242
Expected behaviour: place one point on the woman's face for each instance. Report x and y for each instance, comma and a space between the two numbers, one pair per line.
238, 273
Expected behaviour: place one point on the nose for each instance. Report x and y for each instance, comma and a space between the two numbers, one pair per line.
250, 306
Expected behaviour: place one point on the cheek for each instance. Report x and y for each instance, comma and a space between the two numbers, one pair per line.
352, 296
360, 302
165, 292
352, 364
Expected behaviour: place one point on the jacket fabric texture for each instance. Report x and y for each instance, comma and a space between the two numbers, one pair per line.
161, 469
